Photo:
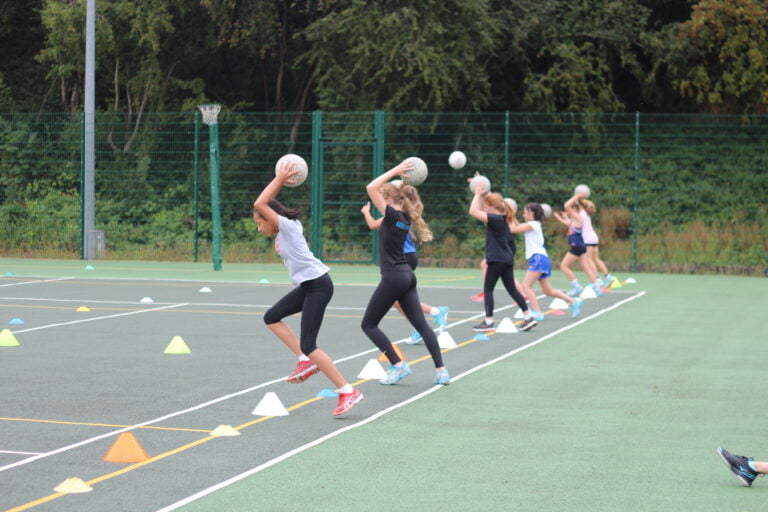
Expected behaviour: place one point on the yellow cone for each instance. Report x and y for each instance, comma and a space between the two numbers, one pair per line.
224, 431
83, 309
73, 485
615, 284
7, 339
177, 346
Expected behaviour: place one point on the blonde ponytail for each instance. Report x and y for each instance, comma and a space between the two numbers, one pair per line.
413, 206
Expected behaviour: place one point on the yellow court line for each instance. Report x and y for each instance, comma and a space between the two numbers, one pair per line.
187, 446
87, 424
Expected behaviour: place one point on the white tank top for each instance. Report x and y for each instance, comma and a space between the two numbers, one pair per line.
588, 233
534, 240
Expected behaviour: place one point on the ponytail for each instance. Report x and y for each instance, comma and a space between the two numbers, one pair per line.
283, 211
413, 206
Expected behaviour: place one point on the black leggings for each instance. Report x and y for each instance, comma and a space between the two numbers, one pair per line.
400, 287
310, 298
506, 272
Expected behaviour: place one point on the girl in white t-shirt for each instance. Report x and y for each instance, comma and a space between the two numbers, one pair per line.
539, 265
313, 289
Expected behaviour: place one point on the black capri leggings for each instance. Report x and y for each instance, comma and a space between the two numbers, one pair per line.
310, 298
506, 272
400, 287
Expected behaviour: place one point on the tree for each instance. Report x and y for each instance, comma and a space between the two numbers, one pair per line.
721, 61
402, 56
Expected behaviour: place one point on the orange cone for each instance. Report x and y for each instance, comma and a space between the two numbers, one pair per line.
383, 356
126, 449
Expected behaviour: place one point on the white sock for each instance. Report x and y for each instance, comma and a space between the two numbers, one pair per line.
527, 314
489, 320
575, 283
303, 357
434, 311
346, 389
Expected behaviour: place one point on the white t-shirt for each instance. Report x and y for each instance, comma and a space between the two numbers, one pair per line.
293, 249
534, 240
587, 231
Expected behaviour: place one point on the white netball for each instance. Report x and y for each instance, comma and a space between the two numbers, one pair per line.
418, 174
298, 163
457, 160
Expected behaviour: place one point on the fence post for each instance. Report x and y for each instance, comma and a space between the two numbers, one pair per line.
317, 184
378, 170
196, 185
210, 113
82, 185
636, 192
506, 153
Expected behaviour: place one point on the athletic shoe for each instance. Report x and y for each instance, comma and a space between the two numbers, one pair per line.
441, 318
739, 466
484, 326
575, 290
347, 401
442, 377
303, 371
396, 374
608, 280
600, 282
539, 317
598, 289
528, 324
576, 307
415, 338
480, 297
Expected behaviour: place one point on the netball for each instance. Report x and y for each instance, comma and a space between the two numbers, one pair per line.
418, 174
299, 164
457, 160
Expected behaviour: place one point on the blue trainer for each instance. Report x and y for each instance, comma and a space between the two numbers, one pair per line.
576, 307
442, 377
441, 318
396, 374
575, 290
598, 289
537, 315
739, 466
415, 338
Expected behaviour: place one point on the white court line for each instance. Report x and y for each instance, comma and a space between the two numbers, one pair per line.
35, 282
19, 453
83, 320
191, 409
381, 413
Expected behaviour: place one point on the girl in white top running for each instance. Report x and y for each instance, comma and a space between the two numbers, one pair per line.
592, 242
539, 266
312, 291
575, 218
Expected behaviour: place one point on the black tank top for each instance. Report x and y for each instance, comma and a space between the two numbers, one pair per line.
392, 232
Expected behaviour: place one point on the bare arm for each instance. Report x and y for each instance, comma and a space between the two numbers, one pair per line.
372, 223
373, 187
562, 218
474, 208
520, 228
284, 174
573, 211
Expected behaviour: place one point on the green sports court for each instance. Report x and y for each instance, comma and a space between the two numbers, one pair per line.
621, 409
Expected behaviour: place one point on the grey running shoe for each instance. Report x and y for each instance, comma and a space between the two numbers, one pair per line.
739, 466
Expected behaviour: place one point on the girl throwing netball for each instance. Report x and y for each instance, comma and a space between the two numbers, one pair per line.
497, 215
539, 265
592, 242
575, 218
311, 295
402, 214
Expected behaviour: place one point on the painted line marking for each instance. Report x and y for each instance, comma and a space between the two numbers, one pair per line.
19, 453
88, 424
36, 282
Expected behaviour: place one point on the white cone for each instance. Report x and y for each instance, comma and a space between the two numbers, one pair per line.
630, 280
506, 326
445, 340
588, 293
270, 405
558, 303
372, 370
205, 289
519, 314
224, 431
147, 300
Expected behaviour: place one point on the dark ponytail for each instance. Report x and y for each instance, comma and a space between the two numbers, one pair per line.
283, 211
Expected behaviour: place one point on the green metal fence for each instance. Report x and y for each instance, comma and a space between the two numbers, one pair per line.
674, 192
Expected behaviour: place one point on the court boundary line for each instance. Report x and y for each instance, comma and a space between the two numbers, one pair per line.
383, 412
38, 281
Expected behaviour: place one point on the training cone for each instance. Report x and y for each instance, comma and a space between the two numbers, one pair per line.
264, 281
383, 357
224, 431
630, 280
615, 284
147, 300
177, 346
558, 312
83, 309
7, 339
506, 326
558, 303
588, 293
73, 485
205, 289
519, 314
445, 340
126, 449
16, 321
327, 393
481, 337
270, 405
372, 370
89, 267
9, 274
